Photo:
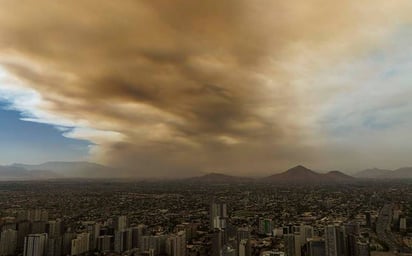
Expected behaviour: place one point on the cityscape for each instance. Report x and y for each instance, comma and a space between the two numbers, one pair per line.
206, 216
205, 128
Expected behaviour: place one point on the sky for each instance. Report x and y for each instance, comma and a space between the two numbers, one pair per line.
34, 142
178, 87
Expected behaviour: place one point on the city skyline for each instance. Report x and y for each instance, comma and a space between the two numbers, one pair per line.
178, 88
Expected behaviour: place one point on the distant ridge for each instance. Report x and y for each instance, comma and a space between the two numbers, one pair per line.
302, 175
374, 173
70, 169
401, 173
9, 173
296, 175
219, 178
89, 170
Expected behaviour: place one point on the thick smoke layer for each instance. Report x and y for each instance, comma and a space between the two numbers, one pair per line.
181, 87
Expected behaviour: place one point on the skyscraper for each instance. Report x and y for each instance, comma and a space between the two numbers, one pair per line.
36, 215
23, 230
81, 244
104, 243
331, 241
244, 248
93, 229
35, 245
242, 234
218, 240
155, 243
8, 242
54, 228
315, 247
292, 244
335, 240
265, 226
402, 224
176, 244
123, 240
137, 236
218, 215
306, 232
120, 223
55, 246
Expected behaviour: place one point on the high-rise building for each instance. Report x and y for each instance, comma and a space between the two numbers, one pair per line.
351, 241
55, 246
38, 227
331, 241
8, 242
123, 240
265, 226
292, 244
67, 242
244, 248
218, 215
35, 245
352, 228
396, 215
121, 223
81, 244
8, 223
306, 232
137, 236
402, 224
104, 243
218, 241
156, 243
37, 215
363, 249
23, 230
242, 234
176, 244
93, 229
335, 240
54, 228
189, 228
368, 219
315, 247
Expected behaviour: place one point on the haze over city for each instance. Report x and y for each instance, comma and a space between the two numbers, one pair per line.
180, 88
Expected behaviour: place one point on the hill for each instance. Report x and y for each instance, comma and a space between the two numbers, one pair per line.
303, 175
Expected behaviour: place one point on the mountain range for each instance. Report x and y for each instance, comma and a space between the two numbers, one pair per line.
295, 175
55, 170
298, 174
375, 173
19, 173
303, 175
